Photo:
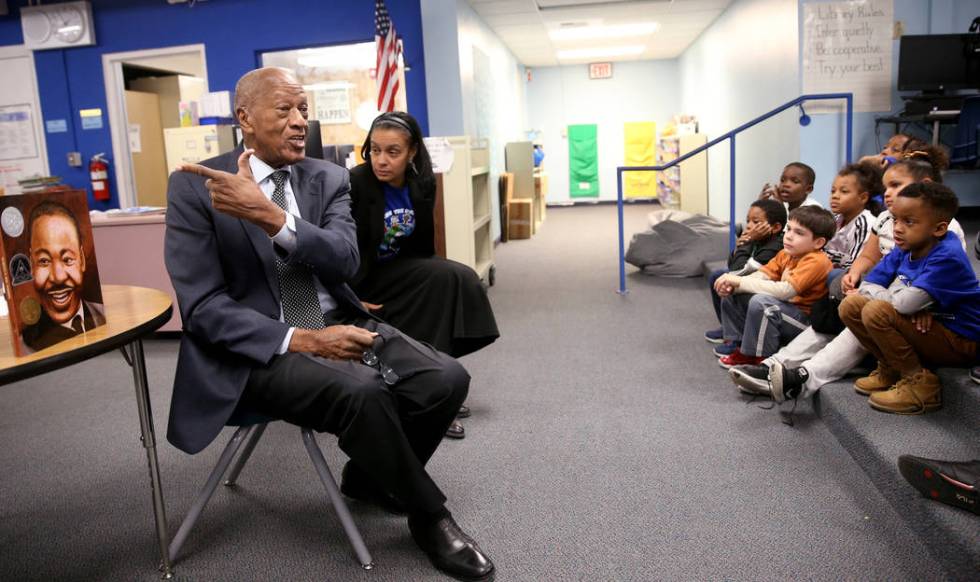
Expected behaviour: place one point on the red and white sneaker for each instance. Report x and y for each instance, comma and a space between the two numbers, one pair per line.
737, 358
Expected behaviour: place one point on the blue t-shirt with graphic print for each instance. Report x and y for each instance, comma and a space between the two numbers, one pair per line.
946, 275
399, 221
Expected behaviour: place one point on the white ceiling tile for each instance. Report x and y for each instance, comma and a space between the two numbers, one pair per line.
523, 27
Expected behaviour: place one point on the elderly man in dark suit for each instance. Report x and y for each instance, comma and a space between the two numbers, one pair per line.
259, 246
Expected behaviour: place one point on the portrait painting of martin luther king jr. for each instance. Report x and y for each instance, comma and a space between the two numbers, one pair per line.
48, 244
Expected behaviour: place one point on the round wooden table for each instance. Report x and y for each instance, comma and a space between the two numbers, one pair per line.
131, 313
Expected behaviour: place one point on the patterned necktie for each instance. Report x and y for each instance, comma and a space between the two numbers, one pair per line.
300, 305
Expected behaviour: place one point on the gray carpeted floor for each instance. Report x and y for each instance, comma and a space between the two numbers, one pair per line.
605, 444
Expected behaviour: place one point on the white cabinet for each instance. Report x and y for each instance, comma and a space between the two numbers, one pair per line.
467, 206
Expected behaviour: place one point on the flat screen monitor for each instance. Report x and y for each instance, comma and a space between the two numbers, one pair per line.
939, 62
314, 141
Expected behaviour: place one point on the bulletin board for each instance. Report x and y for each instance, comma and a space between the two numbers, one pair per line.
640, 149
22, 148
583, 161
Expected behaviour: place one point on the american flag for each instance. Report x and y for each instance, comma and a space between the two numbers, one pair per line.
389, 53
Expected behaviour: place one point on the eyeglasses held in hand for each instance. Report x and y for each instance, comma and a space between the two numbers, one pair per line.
370, 358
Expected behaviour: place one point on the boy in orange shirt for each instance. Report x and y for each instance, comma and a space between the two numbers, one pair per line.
772, 305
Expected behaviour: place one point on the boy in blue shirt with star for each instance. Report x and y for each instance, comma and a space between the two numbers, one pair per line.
919, 306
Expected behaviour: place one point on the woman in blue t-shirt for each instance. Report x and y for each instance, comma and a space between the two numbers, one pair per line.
401, 278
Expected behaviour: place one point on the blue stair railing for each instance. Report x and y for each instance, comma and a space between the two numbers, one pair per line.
804, 120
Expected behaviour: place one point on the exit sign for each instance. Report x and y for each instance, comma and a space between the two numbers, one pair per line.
600, 71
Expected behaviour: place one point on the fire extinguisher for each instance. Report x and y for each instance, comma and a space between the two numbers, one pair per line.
98, 169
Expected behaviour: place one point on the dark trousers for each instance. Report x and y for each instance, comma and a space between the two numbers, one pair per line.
715, 298
388, 431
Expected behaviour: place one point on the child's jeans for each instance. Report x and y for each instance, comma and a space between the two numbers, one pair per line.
715, 298
762, 322
893, 339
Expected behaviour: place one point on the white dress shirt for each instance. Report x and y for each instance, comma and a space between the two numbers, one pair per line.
286, 237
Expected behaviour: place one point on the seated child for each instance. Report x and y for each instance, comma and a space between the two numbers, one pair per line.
890, 152
761, 239
921, 165
795, 185
920, 305
813, 359
772, 305
850, 197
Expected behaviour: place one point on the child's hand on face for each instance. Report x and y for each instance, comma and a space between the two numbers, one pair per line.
769, 192
757, 231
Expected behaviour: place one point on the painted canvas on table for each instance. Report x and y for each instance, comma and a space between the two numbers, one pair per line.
50, 277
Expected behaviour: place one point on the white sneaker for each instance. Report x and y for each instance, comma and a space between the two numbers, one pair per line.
752, 380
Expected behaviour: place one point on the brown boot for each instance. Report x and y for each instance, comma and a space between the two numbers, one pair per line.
881, 379
915, 394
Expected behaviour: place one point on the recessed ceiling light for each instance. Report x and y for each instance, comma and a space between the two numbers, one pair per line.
601, 52
610, 31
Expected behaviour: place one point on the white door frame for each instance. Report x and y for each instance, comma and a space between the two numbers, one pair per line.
18, 51
115, 93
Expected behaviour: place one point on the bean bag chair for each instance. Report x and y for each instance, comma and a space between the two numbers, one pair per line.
678, 244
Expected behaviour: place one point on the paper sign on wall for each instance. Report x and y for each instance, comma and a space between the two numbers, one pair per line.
847, 48
135, 139
333, 105
91, 118
57, 125
17, 140
441, 152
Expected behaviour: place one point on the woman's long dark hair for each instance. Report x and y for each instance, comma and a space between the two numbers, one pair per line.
420, 170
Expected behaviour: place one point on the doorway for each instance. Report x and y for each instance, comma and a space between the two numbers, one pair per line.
143, 90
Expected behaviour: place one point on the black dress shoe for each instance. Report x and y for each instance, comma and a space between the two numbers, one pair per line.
464, 410
358, 487
455, 430
948, 482
450, 549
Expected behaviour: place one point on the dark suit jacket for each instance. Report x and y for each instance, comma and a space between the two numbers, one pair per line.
46, 333
223, 270
368, 210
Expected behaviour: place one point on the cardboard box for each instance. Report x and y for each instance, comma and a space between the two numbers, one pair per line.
520, 215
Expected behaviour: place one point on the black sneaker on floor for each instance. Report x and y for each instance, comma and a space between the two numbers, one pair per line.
751, 379
786, 383
944, 481
975, 374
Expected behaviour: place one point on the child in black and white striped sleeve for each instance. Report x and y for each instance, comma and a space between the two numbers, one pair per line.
851, 202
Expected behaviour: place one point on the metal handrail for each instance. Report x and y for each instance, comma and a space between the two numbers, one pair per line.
847, 97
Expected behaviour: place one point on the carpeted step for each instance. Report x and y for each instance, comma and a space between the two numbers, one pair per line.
875, 440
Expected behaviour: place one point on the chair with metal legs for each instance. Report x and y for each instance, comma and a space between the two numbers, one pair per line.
250, 429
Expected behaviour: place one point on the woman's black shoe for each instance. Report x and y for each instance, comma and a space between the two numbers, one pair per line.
455, 430
464, 412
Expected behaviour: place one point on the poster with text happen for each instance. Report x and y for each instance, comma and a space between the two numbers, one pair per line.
847, 48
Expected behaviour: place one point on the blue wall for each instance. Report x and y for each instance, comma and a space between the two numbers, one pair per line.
234, 34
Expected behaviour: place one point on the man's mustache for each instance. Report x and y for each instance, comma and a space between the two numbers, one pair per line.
60, 288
